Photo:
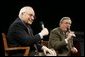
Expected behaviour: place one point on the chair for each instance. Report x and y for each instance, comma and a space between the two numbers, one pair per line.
45, 43
9, 49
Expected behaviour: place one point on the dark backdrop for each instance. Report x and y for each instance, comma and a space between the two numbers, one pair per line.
48, 11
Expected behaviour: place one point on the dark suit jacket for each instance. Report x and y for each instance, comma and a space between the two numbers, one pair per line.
20, 34
57, 41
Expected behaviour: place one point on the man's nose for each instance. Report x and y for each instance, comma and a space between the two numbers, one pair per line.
32, 18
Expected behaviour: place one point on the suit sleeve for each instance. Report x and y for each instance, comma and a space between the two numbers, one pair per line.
19, 34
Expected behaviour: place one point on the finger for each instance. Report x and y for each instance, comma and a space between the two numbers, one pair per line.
54, 52
44, 52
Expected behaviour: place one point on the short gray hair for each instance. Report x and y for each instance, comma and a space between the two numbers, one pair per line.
65, 18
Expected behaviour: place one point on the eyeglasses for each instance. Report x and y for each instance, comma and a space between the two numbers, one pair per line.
31, 15
68, 23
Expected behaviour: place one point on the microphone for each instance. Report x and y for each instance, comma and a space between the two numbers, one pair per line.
68, 30
42, 24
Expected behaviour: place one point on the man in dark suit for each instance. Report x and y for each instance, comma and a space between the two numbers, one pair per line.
61, 38
21, 34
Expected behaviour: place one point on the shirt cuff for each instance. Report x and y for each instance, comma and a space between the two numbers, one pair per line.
41, 35
66, 41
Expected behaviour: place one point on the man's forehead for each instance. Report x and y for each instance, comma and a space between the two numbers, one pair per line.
68, 21
30, 12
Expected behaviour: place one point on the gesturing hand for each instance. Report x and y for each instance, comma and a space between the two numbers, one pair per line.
49, 52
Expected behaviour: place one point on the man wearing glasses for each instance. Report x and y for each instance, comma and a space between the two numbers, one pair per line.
21, 34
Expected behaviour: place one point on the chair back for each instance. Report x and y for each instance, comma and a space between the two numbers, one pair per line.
9, 49
4, 40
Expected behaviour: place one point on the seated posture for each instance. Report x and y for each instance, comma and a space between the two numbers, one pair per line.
61, 38
20, 32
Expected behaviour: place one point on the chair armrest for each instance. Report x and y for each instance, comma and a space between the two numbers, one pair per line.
19, 48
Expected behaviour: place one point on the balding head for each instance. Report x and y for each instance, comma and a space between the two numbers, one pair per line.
26, 9
27, 14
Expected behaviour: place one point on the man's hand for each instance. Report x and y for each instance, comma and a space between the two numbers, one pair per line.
44, 31
74, 50
69, 35
49, 52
